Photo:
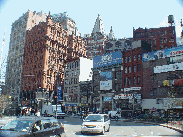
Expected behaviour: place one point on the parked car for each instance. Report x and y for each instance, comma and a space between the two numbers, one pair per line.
95, 123
142, 116
114, 114
33, 126
60, 114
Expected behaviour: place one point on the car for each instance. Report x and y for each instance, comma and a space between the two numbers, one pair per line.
33, 126
95, 123
60, 114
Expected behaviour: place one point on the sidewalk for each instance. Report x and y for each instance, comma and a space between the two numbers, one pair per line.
175, 125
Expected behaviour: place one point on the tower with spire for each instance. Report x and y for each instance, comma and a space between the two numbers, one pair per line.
111, 34
98, 27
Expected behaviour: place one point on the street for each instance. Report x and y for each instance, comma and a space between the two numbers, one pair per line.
120, 128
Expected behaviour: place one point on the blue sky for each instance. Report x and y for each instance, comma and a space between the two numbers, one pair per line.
123, 15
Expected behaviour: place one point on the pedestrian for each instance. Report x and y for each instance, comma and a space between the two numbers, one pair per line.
110, 115
38, 113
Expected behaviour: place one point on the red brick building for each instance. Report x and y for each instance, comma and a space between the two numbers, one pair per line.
47, 49
159, 38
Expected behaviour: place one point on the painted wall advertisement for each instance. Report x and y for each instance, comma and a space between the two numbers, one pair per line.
108, 59
106, 80
170, 67
162, 53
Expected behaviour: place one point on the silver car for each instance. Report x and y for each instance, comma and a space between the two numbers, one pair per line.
95, 123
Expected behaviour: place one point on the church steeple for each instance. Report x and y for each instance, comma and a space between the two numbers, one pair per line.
98, 27
111, 34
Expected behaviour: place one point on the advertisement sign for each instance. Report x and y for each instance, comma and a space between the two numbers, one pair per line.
108, 59
127, 96
178, 82
107, 98
59, 93
107, 75
170, 67
166, 83
106, 85
162, 53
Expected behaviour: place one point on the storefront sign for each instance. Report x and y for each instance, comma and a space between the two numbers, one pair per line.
178, 82
132, 88
59, 93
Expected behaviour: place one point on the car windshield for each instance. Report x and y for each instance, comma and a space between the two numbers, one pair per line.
96, 118
17, 125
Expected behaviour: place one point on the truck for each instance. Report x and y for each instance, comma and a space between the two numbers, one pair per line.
60, 113
114, 113
51, 111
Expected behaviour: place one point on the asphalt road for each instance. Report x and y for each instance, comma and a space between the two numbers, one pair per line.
119, 129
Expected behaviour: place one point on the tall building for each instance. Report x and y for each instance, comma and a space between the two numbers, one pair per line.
159, 38
16, 49
48, 48
96, 41
68, 23
43, 65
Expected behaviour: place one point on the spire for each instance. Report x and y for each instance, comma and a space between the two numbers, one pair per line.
111, 34
98, 27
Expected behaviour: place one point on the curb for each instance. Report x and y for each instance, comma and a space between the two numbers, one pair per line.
164, 125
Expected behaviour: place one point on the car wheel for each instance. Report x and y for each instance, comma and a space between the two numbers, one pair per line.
108, 129
103, 131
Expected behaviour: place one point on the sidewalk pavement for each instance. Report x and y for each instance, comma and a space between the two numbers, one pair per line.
175, 125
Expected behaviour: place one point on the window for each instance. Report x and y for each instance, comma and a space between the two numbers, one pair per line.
129, 69
138, 56
170, 32
166, 46
138, 68
150, 41
161, 40
134, 80
165, 40
125, 70
126, 79
129, 81
46, 124
134, 57
138, 80
172, 39
129, 58
165, 32
154, 41
161, 46
134, 68
125, 59
154, 47
162, 33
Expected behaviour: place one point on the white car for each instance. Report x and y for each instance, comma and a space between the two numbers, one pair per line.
95, 123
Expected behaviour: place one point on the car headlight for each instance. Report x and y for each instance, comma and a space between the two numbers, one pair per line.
98, 126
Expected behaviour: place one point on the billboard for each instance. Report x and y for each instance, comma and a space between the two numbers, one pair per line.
106, 85
59, 93
108, 59
162, 53
170, 67
107, 75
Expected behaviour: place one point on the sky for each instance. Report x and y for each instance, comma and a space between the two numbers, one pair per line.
123, 15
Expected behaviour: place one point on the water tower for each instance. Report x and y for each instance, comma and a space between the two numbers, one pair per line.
171, 19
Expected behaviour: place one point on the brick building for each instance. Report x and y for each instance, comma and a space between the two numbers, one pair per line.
159, 38
48, 49
16, 50
162, 81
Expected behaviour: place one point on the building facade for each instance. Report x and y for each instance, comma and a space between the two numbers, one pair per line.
107, 81
16, 50
162, 79
159, 38
45, 54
